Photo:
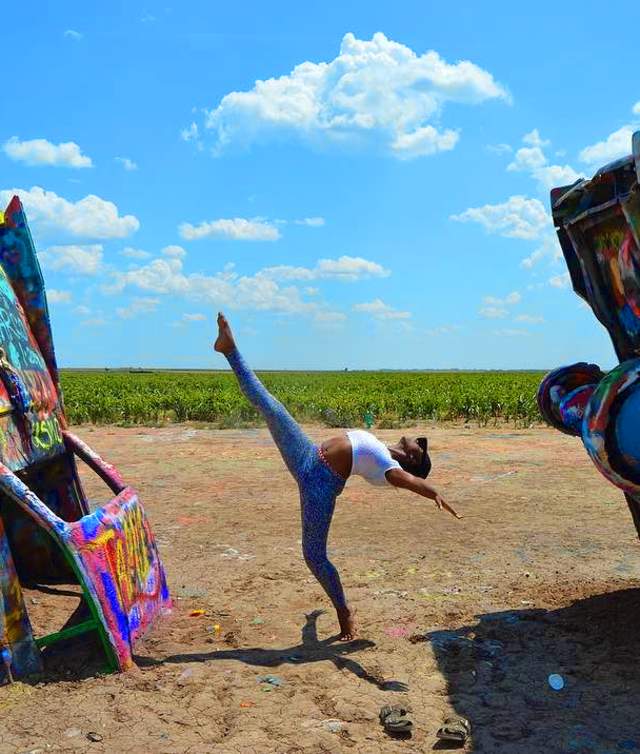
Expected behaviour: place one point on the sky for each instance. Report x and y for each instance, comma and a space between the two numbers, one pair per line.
356, 184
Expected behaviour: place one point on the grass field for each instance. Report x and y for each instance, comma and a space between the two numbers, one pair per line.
332, 398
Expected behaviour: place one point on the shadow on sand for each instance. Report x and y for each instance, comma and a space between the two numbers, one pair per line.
498, 670
310, 649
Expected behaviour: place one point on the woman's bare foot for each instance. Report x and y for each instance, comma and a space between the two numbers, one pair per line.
347, 620
224, 342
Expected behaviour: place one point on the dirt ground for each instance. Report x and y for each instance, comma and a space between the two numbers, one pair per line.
456, 617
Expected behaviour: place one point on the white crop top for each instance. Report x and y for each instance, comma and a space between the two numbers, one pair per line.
371, 459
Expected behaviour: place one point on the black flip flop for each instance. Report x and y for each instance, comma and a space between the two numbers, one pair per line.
455, 730
395, 721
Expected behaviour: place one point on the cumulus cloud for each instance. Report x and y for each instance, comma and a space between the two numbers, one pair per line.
344, 268
236, 229
532, 159
268, 289
497, 308
499, 148
73, 34
617, 144
518, 217
174, 251
560, 281
379, 310
549, 248
312, 222
510, 332
531, 319
196, 317
74, 259
376, 93
137, 307
329, 317
224, 289
126, 163
132, 253
442, 330
636, 109
95, 322
55, 296
42, 152
91, 217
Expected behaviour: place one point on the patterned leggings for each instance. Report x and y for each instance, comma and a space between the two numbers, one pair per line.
319, 485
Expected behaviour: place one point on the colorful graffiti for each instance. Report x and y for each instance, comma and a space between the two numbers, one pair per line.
598, 225
47, 533
20, 653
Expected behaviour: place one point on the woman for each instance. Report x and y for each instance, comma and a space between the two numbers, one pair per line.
321, 471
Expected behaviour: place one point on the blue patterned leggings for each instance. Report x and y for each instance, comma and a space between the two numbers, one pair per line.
319, 485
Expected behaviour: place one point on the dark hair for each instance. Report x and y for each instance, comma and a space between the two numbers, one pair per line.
423, 468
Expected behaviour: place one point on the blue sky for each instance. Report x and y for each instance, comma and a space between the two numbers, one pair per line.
357, 184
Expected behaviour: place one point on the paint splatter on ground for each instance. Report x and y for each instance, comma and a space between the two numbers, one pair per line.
541, 578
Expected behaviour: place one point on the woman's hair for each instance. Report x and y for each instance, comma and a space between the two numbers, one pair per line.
423, 468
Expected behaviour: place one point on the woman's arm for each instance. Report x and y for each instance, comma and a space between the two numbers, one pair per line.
405, 481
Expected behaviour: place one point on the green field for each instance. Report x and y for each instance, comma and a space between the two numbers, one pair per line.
332, 398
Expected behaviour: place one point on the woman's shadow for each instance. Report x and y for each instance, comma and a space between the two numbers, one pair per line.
310, 649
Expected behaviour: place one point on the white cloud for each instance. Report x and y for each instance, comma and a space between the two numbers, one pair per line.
496, 308
508, 332
96, 322
493, 312
196, 317
73, 34
91, 217
312, 222
224, 289
236, 229
379, 310
636, 109
531, 319
533, 139
424, 141
42, 152
560, 281
137, 307
532, 159
528, 158
329, 317
132, 253
518, 217
126, 163
55, 296
442, 330
82, 310
344, 268
549, 247
74, 259
617, 144
499, 148
174, 251
375, 93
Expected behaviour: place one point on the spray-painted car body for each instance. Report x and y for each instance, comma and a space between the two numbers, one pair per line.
598, 225
48, 535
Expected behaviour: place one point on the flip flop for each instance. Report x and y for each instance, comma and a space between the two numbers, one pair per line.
394, 720
455, 729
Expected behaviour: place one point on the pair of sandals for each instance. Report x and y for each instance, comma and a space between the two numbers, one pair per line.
455, 730
395, 721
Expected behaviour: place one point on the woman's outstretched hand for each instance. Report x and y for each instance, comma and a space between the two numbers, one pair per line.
442, 505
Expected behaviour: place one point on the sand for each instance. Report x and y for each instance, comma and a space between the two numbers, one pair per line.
455, 617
